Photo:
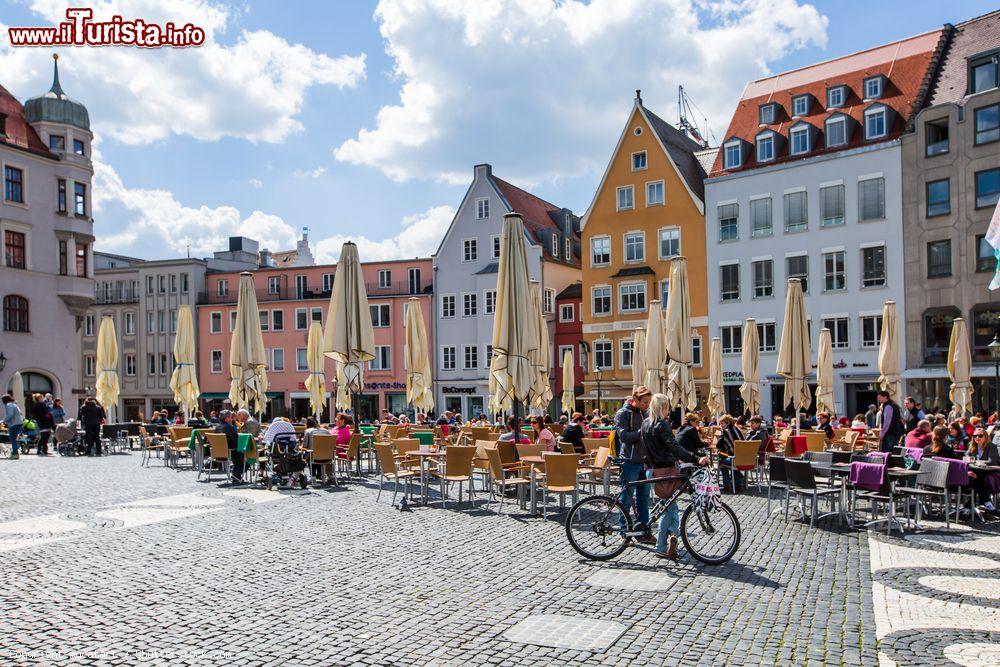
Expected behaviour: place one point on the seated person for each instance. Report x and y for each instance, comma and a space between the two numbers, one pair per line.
859, 422
687, 435
823, 424
342, 429
543, 436
939, 444
198, 420
278, 426
759, 432
574, 433
920, 437
726, 447
512, 427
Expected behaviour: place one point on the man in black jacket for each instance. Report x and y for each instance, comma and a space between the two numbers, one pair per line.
237, 458
92, 415
892, 423
573, 433
688, 436
628, 442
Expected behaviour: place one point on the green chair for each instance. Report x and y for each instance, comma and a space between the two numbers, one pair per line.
425, 437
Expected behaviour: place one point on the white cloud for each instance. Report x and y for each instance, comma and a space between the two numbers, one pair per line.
541, 87
309, 173
419, 236
251, 86
256, 183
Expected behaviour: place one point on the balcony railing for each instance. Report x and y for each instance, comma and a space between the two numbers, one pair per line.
116, 296
285, 293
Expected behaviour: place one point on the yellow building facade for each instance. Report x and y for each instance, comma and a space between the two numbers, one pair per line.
648, 208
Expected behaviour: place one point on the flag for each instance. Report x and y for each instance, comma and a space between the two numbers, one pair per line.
993, 238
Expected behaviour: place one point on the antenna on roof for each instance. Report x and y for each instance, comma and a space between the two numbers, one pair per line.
685, 113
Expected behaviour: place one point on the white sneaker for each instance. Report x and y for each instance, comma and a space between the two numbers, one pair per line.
989, 506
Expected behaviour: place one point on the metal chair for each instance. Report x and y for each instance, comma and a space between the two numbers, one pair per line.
802, 482
457, 469
560, 477
776, 478
218, 453
932, 484
323, 453
389, 470
500, 479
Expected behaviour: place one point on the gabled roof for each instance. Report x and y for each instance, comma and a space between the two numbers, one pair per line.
969, 38
535, 212
906, 64
574, 291
18, 134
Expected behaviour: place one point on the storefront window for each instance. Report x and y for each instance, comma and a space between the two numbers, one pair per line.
396, 404
476, 407
937, 333
453, 404
985, 324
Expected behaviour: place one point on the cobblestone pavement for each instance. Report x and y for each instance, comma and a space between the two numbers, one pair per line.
106, 562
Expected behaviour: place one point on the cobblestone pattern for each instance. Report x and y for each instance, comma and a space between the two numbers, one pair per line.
332, 578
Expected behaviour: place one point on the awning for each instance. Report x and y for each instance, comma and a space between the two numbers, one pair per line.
605, 396
941, 372
215, 395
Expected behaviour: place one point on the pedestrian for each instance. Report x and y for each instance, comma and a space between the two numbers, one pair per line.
41, 412
92, 415
236, 458
891, 419
871, 417
628, 440
13, 420
58, 411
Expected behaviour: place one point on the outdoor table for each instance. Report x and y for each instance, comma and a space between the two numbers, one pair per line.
843, 471
196, 444
423, 456
896, 474
534, 461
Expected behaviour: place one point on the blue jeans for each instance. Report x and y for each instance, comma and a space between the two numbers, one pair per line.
639, 495
726, 468
13, 432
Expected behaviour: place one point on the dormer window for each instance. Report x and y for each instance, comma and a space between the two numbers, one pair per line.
836, 131
57, 143
984, 72
875, 123
767, 114
639, 161
799, 139
835, 97
732, 157
765, 147
873, 87
800, 105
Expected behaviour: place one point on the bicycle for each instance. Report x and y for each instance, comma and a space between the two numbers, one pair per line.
599, 528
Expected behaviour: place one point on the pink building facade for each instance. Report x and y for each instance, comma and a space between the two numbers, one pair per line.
289, 299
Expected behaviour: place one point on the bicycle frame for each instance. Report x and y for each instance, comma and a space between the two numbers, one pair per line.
661, 503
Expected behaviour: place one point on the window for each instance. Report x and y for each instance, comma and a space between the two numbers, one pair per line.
938, 197
797, 266
265, 320
448, 358
216, 361
626, 198
14, 254
88, 325
569, 248
836, 131
936, 137
548, 300
873, 266
938, 324
654, 193
274, 285
670, 242
483, 208
164, 369
766, 336
563, 349
566, 313
130, 365
301, 319
987, 188
635, 247
765, 147
732, 155
80, 198
730, 282
831, 206
161, 321
489, 301
632, 297
603, 354
151, 363
729, 228
185, 284
277, 320
89, 366
57, 142
799, 138
382, 360
983, 73
150, 322
833, 271
301, 359
161, 284
13, 184
380, 314
800, 105
149, 285
173, 283
696, 350
602, 300
835, 97
939, 258
129, 323
600, 251
732, 339
15, 313
78, 147
760, 217
470, 357
317, 315
555, 246
796, 211
664, 292
232, 320
215, 322
766, 114
301, 285
448, 305
384, 278
873, 87
871, 199
496, 247
838, 332
639, 161
986, 260
277, 360
221, 287
626, 348
327, 282
470, 305
875, 123
469, 250
61, 195
987, 121
81, 259
763, 278
871, 330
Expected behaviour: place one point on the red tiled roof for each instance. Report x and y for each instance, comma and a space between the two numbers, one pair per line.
535, 213
906, 64
18, 132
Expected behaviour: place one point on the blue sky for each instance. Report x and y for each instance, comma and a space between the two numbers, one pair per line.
363, 122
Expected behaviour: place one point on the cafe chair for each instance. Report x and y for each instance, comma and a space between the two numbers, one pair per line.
745, 460
528, 450
802, 483
323, 454
931, 485
504, 477
815, 441
349, 458
389, 470
776, 479
560, 478
217, 454
566, 447
457, 469
591, 445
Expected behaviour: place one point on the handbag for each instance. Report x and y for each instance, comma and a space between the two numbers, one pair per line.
666, 488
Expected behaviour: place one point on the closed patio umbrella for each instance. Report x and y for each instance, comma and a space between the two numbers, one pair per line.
568, 380
342, 399
824, 373
716, 397
106, 387
680, 382
247, 361
515, 330
184, 381
960, 366
793, 353
349, 337
888, 352
419, 392
541, 391
17, 390
655, 354
315, 382
638, 358
750, 389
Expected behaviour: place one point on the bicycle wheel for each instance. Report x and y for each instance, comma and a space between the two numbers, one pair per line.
711, 536
594, 527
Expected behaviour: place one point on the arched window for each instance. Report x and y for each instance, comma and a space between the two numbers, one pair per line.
15, 313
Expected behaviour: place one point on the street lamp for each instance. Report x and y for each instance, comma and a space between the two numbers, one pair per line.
597, 375
994, 348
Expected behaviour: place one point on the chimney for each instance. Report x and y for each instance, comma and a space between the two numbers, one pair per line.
265, 258
638, 96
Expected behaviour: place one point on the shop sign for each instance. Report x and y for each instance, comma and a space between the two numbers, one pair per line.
375, 386
458, 390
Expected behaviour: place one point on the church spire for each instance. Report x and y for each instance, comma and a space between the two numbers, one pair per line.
56, 88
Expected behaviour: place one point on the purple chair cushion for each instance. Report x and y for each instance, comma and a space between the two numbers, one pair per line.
867, 475
881, 455
915, 453
958, 471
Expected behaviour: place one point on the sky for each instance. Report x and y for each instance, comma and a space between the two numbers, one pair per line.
363, 121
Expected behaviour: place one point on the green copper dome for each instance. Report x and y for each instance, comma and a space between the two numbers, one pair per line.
55, 106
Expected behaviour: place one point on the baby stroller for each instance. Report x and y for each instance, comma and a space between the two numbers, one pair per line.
285, 464
68, 440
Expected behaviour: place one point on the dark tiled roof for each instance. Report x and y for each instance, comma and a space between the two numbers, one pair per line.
905, 64
537, 219
492, 267
967, 39
634, 271
682, 151
574, 291
18, 133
